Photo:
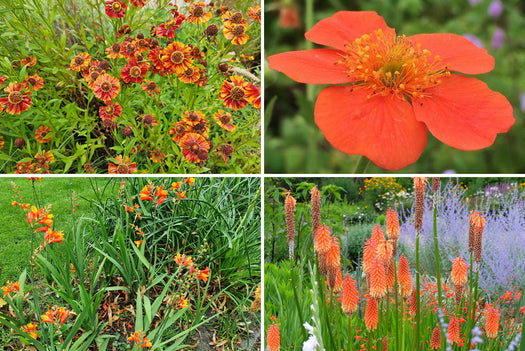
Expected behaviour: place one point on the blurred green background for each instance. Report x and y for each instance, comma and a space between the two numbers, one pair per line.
294, 144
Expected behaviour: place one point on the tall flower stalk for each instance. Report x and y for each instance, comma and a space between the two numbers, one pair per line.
419, 187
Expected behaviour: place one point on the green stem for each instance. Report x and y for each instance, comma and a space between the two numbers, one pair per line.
305, 336
418, 301
436, 251
396, 310
362, 165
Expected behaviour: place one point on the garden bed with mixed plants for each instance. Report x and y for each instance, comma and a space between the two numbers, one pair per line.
161, 264
136, 86
441, 272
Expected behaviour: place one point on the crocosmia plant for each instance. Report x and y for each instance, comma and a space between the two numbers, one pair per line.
389, 89
130, 86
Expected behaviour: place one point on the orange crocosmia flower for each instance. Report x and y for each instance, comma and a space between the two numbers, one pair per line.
233, 94
273, 338
236, 33
80, 62
189, 180
176, 186
48, 317
193, 145
30, 328
35, 81
204, 274
145, 193
123, 166
106, 88
161, 195
138, 242
111, 111
53, 236
403, 85
198, 13
18, 100
62, 315
181, 195
350, 295
177, 58
140, 339
41, 134
224, 119
10, 288
492, 322
459, 271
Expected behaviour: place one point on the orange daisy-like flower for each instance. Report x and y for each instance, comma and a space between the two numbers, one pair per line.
177, 58
113, 52
193, 147
190, 75
35, 81
350, 295
459, 271
236, 33
255, 13
80, 62
115, 8
233, 94
224, 119
371, 314
138, 3
150, 87
140, 339
492, 322
178, 130
435, 341
111, 111
106, 87
229, 18
198, 13
30, 61
157, 156
134, 72
273, 339
41, 134
253, 94
43, 160
168, 29
148, 120
193, 118
404, 278
18, 100
453, 329
122, 166
401, 84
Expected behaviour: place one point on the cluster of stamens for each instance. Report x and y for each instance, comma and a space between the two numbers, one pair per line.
390, 65
237, 93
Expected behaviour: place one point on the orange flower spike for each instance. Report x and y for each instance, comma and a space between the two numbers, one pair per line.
350, 295
369, 254
392, 225
377, 279
453, 330
323, 241
403, 277
459, 271
316, 210
435, 341
378, 236
403, 84
371, 314
492, 322
390, 275
273, 339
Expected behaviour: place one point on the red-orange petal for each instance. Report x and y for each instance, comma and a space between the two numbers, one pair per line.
316, 66
464, 113
384, 129
456, 52
344, 27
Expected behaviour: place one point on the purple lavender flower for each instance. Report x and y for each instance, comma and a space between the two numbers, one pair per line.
495, 9
522, 102
474, 40
498, 38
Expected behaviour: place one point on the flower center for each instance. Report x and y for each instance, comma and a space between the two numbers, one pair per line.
134, 72
109, 110
94, 75
15, 97
237, 93
387, 64
79, 60
180, 129
106, 86
189, 72
152, 86
32, 81
198, 11
193, 117
148, 119
225, 119
238, 30
116, 6
194, 147
122, 169
177, 57
130, 48
115, 47
236, 18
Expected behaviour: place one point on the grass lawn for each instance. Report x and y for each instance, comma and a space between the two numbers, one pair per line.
15, 233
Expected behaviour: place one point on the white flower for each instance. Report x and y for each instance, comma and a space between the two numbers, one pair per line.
311, 344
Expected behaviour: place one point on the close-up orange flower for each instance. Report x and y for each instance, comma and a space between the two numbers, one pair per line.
198, 13
255, 13
459, 271
18, 100
177, 57
396, 89
115, 8
41, 134
80, 62
224, 119
122, 166
134, 72
273, 339
140, 339
106, 87
194, 147
178, 130
236, 33
111, 111
233, 93
190, 75
35, 82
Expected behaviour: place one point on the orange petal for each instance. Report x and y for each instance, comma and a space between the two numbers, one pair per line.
311, 66
456, 52
344, 27
464, 113
384, 129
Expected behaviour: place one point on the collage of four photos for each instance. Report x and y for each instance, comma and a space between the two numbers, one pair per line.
262, 175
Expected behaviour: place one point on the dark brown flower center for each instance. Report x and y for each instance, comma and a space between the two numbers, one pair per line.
79, 60
223, 67
32, 81
198, 11
110, 110
238, 30
116, 6
258, 13
193, 117
237, 17
237, 93
177, 57
106, 86
94, 75
130, 48
152, 86
200, 128
227, 149
134, 72
194, 147
148, 119
15, 97
189, 72
122, 169
203, 154
115, 48
180, 129
41, 160
225, 119
212, 30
